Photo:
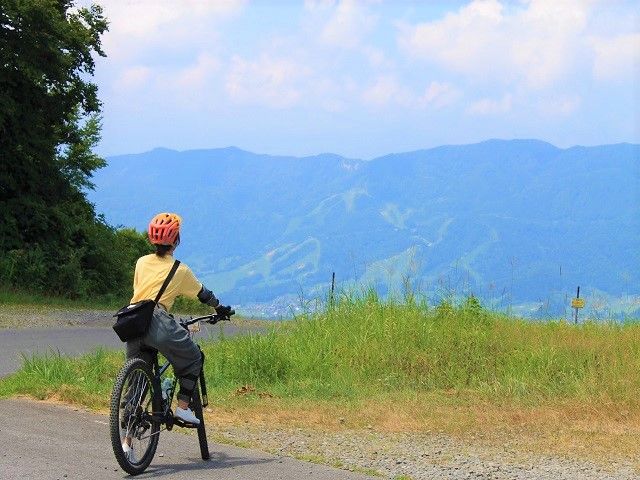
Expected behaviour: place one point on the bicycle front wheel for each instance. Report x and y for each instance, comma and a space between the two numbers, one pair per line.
131, 423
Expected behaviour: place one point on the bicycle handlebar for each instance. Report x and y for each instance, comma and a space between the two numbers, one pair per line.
211, 319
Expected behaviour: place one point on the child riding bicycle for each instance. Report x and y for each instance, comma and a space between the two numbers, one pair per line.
165, 334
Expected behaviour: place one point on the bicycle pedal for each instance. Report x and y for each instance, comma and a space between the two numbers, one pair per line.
180, 423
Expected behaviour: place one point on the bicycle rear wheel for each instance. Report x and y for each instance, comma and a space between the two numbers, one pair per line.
133, 401
196, 403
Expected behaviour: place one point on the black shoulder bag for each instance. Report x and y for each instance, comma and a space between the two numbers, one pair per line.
134, 320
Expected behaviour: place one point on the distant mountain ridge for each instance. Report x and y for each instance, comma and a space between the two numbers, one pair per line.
516, 222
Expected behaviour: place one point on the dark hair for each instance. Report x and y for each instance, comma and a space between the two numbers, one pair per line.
162, 250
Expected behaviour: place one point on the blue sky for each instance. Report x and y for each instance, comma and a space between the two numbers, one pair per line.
366, 78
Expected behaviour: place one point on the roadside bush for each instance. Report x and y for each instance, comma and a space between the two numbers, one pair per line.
100, 264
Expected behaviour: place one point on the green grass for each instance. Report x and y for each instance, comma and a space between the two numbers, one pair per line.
365, 348
85, 380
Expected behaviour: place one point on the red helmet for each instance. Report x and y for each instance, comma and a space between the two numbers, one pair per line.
164, 229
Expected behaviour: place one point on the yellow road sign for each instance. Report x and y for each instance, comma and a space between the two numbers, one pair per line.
577, 303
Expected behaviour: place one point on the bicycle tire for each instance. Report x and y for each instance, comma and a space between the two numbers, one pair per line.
137, 374
196, 403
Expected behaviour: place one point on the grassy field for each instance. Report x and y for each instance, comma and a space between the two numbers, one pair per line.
402, 366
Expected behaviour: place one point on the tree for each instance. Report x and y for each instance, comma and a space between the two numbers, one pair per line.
46, 52
50, 236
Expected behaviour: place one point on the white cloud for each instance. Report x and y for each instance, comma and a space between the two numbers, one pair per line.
617, 57
384, 91
533, 44
267, 81
190, 88
489, 106
133, 78
140, 25
310, 66
349, 25
330, 94
439, 94
547, 38
449, 41
559, 105
198, 74
171, 49
315, 5
521, 67
377, 58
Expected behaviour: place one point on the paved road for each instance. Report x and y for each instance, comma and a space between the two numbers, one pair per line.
68, 340
43, 441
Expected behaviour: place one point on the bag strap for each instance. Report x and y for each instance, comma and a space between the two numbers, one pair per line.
167, 280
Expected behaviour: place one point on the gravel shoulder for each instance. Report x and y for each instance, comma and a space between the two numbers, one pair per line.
421, 456
38, 316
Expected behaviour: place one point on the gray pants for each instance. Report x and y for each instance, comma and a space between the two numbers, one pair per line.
167, 336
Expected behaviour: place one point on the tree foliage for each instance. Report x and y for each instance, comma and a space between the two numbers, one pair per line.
50, 236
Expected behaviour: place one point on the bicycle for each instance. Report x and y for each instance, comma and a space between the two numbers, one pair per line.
140, 406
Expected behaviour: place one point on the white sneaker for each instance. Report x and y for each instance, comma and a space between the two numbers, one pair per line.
186, 415
129, 453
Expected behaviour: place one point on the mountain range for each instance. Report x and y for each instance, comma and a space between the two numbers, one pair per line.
518, 223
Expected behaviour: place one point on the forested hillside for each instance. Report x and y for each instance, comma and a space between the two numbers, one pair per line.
514, 222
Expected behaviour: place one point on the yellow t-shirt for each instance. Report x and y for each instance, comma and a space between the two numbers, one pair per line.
151, 272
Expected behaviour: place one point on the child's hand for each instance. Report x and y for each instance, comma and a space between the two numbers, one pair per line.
223, 311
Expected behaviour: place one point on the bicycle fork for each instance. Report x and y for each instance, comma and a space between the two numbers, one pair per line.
203, 389
203, 385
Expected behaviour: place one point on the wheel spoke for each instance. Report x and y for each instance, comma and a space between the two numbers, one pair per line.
140, 384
